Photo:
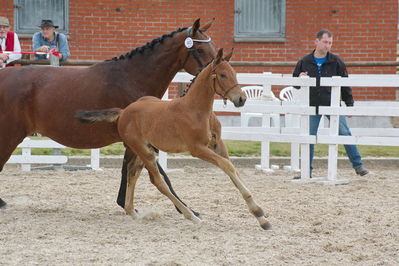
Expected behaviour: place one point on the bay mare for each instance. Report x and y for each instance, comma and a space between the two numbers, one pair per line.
180, 125
44, 99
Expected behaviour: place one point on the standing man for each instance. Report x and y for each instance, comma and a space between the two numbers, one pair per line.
48, 40
8, 42
322, 63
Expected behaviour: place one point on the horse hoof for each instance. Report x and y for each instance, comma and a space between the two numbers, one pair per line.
196, 214
196, 220
2, 204
266, 226
134, 214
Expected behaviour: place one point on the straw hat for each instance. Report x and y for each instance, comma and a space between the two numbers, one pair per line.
4, 22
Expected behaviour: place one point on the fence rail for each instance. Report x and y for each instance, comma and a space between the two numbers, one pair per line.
298, 132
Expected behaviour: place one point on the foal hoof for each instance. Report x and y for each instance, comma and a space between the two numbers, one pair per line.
196, 220
266, 226
2, 204
132, 213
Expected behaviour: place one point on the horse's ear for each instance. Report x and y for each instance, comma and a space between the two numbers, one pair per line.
228, 56
195, 27
219, 56
207, 25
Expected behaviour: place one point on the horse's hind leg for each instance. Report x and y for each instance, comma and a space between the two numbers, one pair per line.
208, 155
128, 157
216, 144
148, 158
134, 169
166, 178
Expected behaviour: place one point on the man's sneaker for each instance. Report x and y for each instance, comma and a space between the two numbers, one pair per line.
361, 170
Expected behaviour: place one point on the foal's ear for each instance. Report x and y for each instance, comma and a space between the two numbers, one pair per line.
219, 56
207, 25
228, 56
195, 27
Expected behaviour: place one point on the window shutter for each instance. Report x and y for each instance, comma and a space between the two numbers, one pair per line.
29, 14
259, 20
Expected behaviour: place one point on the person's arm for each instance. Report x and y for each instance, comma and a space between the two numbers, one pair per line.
64, 49
346, 92
298, 69
36, 44
17, 48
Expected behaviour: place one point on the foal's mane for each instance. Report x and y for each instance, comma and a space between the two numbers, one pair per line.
193, 79
148, 45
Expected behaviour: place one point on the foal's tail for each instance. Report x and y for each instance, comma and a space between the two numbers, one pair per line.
106, 115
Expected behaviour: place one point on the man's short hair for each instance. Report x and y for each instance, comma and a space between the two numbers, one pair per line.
320, 34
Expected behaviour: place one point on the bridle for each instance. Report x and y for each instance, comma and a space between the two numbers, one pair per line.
225, 92
189, 43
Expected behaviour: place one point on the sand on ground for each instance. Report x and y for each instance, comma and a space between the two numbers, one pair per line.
71, 218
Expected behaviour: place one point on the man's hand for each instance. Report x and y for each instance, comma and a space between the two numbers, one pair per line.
44, 49
302, 74
55, 52
3, 57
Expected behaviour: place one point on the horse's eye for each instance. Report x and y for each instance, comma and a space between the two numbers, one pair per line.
223, 75
201, 51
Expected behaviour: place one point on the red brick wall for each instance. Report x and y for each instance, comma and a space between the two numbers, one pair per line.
363, 30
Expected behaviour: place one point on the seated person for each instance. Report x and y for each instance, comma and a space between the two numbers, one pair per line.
8, 42
48, 40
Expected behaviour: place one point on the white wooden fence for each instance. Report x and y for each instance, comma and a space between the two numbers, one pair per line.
295, 133
298, 133
26, 159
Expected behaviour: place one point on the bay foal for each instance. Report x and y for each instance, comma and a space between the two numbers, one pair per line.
178, 126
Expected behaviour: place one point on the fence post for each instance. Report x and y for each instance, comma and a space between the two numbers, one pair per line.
333, 131
304, 130
265, 145
26, 152
95, 159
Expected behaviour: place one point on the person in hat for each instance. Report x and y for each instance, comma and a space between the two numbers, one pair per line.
8, 42
47, 40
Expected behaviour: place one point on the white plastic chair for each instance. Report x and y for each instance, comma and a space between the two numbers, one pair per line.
286, 94
255, 93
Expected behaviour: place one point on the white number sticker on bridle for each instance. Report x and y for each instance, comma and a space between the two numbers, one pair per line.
188, 42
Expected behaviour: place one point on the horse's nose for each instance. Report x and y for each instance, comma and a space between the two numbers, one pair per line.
241, 101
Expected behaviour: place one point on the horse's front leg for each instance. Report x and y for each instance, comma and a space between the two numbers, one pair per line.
208, 155
12, 132
127, 159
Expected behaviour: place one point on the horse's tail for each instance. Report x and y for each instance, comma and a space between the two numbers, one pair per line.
106, 115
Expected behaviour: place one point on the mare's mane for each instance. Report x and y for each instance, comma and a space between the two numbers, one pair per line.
148, 45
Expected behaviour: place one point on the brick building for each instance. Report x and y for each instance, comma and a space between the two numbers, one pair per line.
259, 30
